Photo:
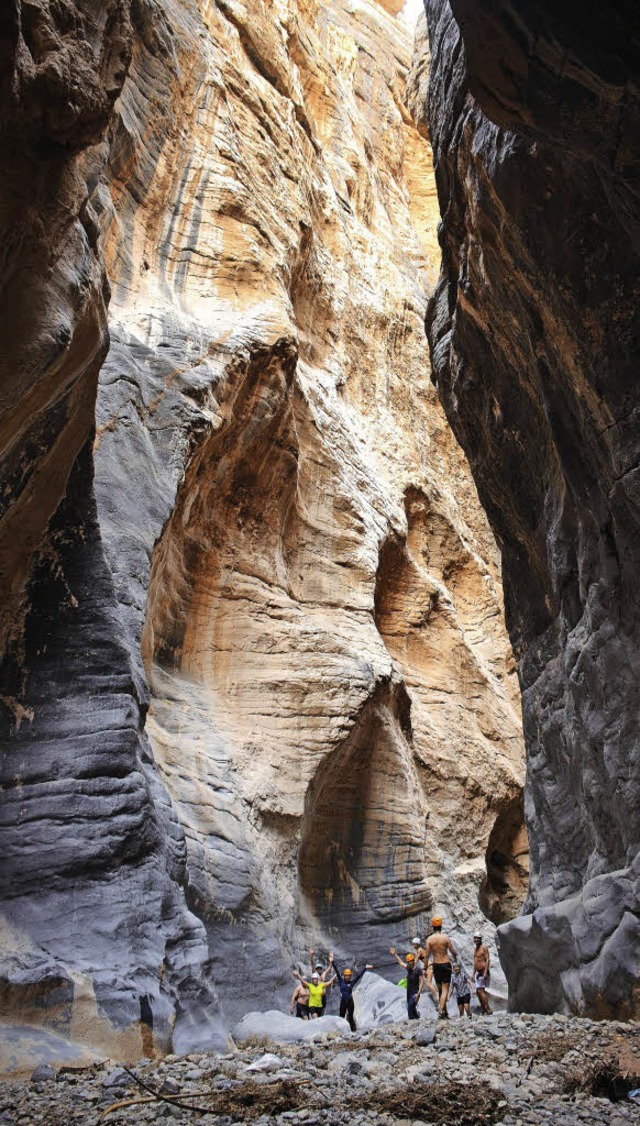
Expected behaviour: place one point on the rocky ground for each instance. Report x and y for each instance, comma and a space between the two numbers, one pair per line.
500, 1069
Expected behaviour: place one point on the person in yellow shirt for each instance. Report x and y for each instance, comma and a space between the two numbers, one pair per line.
316, 989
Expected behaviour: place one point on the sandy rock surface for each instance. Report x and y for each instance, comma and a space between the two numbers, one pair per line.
508, 1069
263, 666
307, 587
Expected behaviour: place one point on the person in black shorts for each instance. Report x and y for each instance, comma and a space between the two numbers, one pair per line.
300, 999
461, 986
440, 949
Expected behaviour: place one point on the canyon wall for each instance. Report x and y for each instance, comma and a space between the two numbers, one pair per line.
533, 114
96, 940
258, 690
316, 597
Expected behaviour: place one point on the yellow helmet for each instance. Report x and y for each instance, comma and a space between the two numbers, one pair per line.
346, 973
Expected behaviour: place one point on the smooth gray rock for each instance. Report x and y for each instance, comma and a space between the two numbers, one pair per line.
533, 334
267, 1062
378, 1002
43, 1073
171, 1086
555, 957
348, 1063
117, 1078
284, 1029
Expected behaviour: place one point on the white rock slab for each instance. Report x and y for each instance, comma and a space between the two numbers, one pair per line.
283, 1029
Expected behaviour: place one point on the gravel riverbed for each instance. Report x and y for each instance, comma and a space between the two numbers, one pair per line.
501, 1069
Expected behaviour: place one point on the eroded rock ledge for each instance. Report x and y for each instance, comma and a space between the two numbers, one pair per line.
260, 692
533, 332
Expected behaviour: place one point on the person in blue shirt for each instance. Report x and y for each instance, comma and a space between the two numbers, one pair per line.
347, 981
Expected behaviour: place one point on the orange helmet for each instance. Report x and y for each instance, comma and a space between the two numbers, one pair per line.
410, 958
436, 921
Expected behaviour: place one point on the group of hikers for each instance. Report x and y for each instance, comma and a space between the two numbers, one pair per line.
435, 966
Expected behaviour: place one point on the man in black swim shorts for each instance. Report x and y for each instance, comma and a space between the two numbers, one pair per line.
440, 949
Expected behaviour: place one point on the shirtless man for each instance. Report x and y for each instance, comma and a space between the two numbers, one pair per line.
300, 998
439, 947
481, 972
316, 989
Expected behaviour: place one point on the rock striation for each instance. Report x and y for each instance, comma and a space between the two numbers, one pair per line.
96, 938
533, 331
258, 690
302, 565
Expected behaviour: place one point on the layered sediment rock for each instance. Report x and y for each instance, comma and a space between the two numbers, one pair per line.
264, 693
533, 332
96, 936
317, 600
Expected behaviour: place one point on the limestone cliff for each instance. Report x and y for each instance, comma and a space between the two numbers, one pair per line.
533, 332
264, 693
96, 939
316, 596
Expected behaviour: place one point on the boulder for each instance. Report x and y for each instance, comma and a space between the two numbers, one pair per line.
283, 1029
378, 1002
267, 1062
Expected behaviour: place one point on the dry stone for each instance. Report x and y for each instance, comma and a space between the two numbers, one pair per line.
255, 660
532, 329
315, 614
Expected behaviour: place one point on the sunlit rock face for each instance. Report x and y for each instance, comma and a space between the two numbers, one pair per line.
259, 692
294, 536
533, 332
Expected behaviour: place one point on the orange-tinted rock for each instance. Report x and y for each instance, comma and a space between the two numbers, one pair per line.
333, 707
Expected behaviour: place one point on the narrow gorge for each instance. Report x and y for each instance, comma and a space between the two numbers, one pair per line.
257, 692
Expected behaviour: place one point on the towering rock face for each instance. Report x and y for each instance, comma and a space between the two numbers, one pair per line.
316, 599
96, 938
533, 330
261, 692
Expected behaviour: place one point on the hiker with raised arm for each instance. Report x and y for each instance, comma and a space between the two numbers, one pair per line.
347, 981
316, 989
415, 982
481, 972
419, 953
423, 964
317, 967
441, 950
300, 998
